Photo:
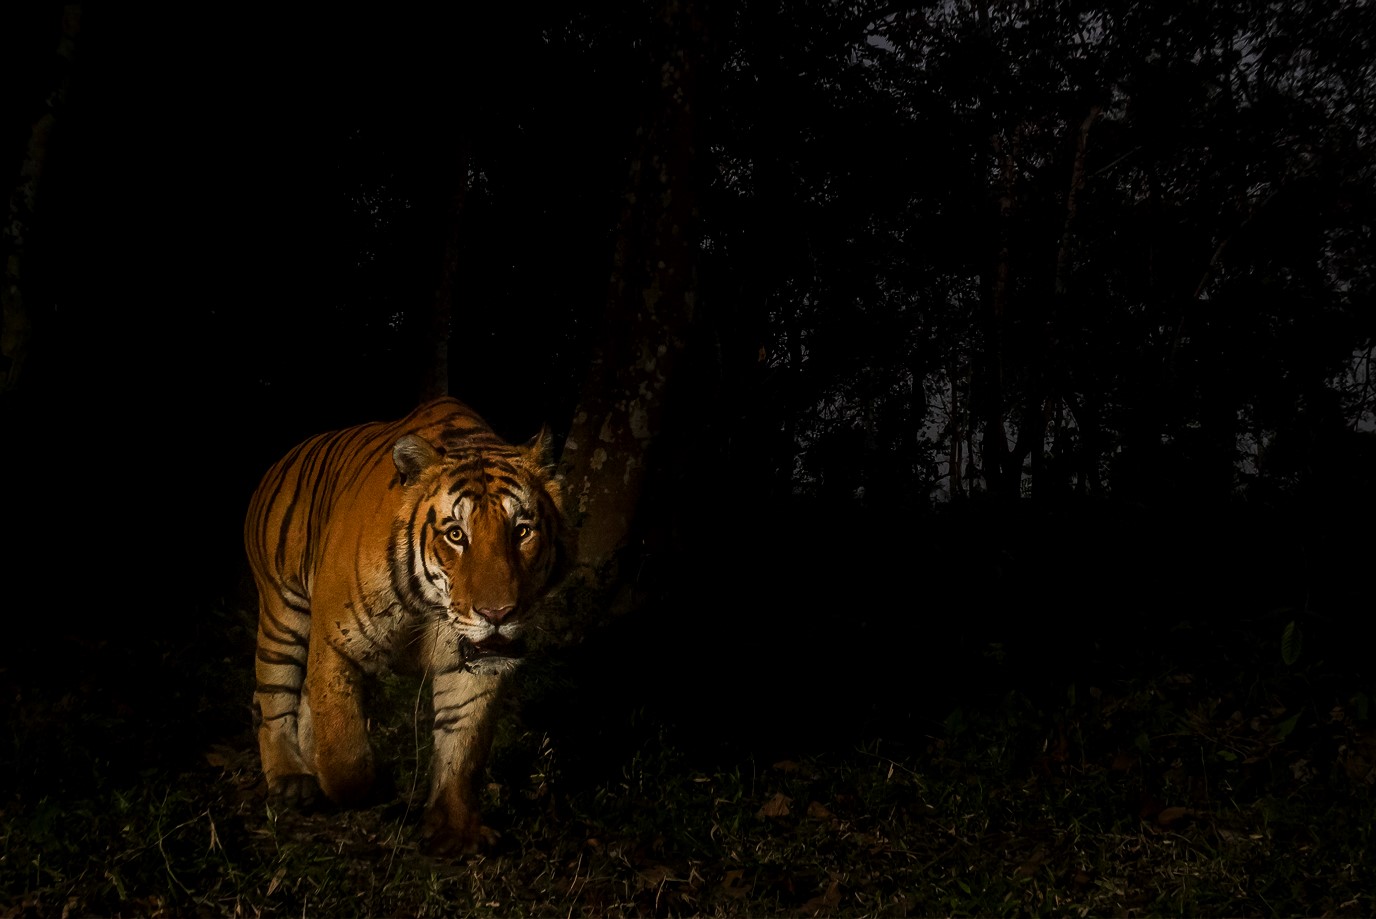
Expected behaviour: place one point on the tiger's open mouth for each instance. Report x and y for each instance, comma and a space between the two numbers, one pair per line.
495, 646
495, 655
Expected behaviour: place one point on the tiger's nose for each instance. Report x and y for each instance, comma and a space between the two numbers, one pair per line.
495, 615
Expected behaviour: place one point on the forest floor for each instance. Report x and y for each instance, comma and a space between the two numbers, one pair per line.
1236, 778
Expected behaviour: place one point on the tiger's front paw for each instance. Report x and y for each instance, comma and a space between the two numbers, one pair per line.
446, 835
299, 791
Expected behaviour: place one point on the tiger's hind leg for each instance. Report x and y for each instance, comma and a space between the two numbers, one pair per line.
340, 752
282, 714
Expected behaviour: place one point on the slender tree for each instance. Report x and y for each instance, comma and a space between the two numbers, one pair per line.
608, 456
16, 320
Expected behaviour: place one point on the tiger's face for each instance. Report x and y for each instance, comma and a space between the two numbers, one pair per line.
478, 546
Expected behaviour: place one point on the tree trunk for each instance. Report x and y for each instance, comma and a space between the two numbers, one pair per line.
15, 321
957, 433
1077, 184
436, 344
1043, 398
608, 456
994, 454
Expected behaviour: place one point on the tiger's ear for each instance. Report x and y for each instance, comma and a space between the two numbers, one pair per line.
413, 456
540, 448
540, 451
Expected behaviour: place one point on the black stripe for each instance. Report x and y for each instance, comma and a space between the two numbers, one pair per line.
277, 657
448, 725
280, 628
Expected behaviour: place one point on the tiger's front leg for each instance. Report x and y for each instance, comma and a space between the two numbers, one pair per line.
464, 703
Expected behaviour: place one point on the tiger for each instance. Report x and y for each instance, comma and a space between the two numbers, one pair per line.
420, 544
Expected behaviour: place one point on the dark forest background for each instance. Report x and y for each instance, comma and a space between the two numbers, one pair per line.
1003, 343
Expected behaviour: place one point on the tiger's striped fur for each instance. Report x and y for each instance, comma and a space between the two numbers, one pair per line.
422, 542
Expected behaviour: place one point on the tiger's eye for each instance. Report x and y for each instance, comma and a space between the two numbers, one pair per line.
522, 530
455, 535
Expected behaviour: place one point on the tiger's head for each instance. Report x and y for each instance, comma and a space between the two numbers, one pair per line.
478, 541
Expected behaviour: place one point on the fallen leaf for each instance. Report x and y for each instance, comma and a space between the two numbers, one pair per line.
1172, 815
733, 883
1032, 865
219, 755
776, 806
818, 810
654, 876
826, 902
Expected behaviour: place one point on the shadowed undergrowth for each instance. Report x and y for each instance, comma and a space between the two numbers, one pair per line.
1207, 764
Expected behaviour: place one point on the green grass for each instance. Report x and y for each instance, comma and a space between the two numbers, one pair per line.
1240, 785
